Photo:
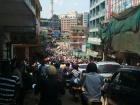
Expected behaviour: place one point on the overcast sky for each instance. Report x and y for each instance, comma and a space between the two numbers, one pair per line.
63, 6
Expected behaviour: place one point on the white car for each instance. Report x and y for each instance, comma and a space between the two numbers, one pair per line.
82, 67
107, 68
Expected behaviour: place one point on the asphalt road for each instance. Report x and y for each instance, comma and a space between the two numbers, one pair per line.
68, 100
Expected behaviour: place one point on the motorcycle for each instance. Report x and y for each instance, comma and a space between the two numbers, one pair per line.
75, 88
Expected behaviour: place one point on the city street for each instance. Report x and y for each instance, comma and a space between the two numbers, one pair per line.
67, 100
84, 45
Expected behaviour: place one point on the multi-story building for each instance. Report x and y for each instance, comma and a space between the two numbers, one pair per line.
98, 14
121, 34
78, 37
80, 19
19, 28
55, 25
86, 19
68, 20
45, 23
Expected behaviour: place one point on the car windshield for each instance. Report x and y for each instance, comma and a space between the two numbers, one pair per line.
108, 68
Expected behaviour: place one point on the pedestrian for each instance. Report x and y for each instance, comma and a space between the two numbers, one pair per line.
43, 69
18, 70
92, 83
91, 59
50, 88
29, 98
9, 84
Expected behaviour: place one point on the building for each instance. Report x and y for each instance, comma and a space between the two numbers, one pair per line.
80, 19
65, 24
86, 19
77, 39
68, 20
55, 26
98, 15
125, 41
118, 6
19, 28
45, 23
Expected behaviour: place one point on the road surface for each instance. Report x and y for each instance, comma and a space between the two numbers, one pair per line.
68, 100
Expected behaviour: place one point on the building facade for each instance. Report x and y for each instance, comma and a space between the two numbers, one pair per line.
19, 27
55, 26
77, 40
68, 20
45, 23
98, 15
86, 19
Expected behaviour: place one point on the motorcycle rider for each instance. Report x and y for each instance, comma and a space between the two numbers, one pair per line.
92, 83
75, 82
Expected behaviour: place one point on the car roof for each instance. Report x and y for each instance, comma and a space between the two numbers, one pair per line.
106, 62
130, 69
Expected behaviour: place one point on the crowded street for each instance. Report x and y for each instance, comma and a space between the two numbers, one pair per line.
69, 52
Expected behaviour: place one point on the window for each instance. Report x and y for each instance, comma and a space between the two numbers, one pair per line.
130, 79
108, 68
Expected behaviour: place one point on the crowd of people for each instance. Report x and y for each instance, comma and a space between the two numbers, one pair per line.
44, 82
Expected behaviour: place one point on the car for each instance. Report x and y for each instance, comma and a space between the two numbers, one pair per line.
107, 68
82, 67
123, 88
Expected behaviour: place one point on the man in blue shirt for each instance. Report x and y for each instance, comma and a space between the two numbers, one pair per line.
92, 83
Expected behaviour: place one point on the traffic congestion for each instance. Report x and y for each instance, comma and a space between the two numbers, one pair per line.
69, 52
88, 82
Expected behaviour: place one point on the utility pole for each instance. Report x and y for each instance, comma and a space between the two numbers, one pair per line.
52, 10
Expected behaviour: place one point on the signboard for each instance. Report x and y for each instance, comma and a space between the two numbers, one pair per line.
84, 48
118, 6
56, 34
96, 41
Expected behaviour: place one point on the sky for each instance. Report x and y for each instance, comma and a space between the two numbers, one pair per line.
63, 6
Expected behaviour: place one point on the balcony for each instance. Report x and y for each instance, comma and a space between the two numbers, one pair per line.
18, 13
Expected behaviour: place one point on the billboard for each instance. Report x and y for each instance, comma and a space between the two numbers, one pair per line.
56, 33
120, 5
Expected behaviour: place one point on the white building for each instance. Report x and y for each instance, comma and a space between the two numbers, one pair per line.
98, 14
